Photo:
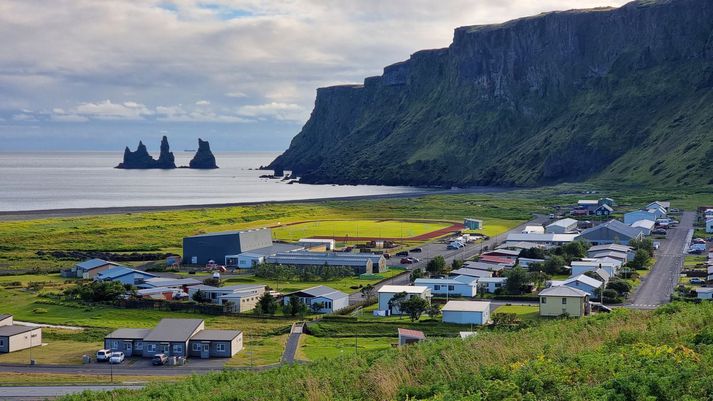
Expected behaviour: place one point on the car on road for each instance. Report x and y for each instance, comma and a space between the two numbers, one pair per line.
402, 253
116, 357
159, 359
416, 250
552, 215
455, 245
659, 231
103, 355
657, 245
408, 261
697, 280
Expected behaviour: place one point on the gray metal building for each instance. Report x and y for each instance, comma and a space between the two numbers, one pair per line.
199, 249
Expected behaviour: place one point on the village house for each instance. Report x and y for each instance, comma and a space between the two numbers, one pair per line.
468, 272
123, 275
323, 298
408, 336
563, 300
360, 262
241, 297
705, 293
625, 249
637, 215
387, 293
542, 239
89, 268
466, 312
590, 265
450, 287
563, 226
491, 284
611, 232
14, 337
582, 282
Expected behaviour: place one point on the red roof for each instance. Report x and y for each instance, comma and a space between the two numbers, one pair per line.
412, 333
495, 259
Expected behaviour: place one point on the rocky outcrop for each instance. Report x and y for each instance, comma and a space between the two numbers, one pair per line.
166, 159
624, 94
204, 158
141, 159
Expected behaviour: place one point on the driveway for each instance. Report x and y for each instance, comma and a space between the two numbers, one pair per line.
657, 286
433, 249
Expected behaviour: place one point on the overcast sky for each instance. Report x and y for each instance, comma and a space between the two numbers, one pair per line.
88, 74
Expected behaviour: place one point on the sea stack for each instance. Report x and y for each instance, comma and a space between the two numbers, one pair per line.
204, 158
166, 159
139, 159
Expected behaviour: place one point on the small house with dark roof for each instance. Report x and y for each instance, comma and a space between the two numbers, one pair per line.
331, 300
215, 344
15, 337
128, 341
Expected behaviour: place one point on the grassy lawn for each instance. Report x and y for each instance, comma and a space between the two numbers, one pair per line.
259, 351
54, 352
357, 228
524, 312
344, 284
313, 348
493, 227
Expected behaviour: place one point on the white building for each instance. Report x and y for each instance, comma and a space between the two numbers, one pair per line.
709, 226
645, 226
590, 265
491, 284
472, 273
543, 239
466, 312
328, 299
450, 287
704, 293
242, 297
329, 244
580, 282
387, 292
633, 217
533, 230
563, 226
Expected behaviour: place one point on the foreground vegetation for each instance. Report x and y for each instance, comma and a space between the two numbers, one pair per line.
625, 355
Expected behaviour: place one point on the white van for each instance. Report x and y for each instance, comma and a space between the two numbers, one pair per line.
103, 355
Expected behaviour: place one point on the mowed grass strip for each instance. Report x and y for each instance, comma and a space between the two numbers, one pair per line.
357, 228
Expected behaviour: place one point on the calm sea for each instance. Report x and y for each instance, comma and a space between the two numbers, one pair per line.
59, 180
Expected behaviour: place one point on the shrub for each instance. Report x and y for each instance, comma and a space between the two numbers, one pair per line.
39, 310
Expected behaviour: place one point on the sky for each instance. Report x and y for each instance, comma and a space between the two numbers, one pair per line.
100, 75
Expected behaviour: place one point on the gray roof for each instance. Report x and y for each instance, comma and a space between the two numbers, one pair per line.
228, 288
563, 223
174, 330
216, 335
610, 247
169, 282
322, 291
4, 316
320, 258
133, 334
14, 329
613, 225
274, 249
220, 233
482, 266
583, 278
120, 271
93, 264
563, 291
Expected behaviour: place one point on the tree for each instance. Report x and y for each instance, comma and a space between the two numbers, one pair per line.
267, 304
646, 244
416, 273
367, 292
641, 259
436, 265
533, 253
198, 296
294, 307
505, 319
611, 296
538, 278
316, 306
396, 300
554, 264
213, 281
457, 264
517, 279
97, 291
622, 287
575, 250
414, 307
434, 310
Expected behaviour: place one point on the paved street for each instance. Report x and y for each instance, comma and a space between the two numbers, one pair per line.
431, 250
293, 341
657, 286
43, 392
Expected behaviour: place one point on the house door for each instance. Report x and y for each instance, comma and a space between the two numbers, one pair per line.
128, 347
205, 351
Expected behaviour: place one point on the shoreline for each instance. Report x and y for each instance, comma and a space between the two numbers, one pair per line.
21, 215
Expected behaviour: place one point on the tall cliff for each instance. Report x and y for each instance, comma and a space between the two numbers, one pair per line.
623, 94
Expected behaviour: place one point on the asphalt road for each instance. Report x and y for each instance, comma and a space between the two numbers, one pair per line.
657, 286
43, 392
433, 249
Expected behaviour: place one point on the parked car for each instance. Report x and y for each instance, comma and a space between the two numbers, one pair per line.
402, 253
416, 250
103, 355
551, 216
387, 255
697, 280
116, 357
673, 210
694, 251
699, 241
455, 245
659, 231
159, 359
406, 261
657, 245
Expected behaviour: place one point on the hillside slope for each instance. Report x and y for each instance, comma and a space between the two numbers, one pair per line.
626, 355
624, 94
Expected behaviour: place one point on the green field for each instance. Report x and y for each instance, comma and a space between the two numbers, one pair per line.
523, 312
343, 284
313, 348
357, 228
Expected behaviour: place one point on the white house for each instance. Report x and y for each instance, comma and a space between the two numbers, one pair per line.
242, 297
408, 336
581, 282
449, 287
543, 239
466, 312
665, 205
387, 292
563, 226
526, 262
590, 265
704, 293
491, 284
645, 226
533, 230
633, 217
658, 211
248, 260
709, 226
328, 299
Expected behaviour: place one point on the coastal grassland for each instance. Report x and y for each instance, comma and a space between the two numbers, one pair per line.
313, 348
163, 231
357, 228
663, 355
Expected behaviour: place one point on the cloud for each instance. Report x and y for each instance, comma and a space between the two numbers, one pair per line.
106, 110
236, 94
278, 111
202, 103
24, 117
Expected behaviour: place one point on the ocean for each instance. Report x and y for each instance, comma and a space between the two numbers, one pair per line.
62, 180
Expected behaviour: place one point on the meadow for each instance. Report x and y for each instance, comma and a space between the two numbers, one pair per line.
625, 355
358, 228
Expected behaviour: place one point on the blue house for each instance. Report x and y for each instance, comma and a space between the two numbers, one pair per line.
632, 217
123, 275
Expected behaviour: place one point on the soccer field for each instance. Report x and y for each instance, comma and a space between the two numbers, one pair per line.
358, 229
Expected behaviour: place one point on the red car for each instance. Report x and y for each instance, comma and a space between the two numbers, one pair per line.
408, 261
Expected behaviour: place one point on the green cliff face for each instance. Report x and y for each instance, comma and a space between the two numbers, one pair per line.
623, 94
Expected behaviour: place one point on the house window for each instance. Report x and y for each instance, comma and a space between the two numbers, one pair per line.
451, 287
2, 342
196, 347
436, 287
564, 301
114, 345
220, 347
544, 300
139, 345
151, 347
178, 349
127, 346
328, 305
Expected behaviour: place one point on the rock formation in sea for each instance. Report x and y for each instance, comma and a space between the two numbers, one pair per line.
141, 159
204, 158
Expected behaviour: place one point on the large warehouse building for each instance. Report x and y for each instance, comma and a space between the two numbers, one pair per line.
199, 249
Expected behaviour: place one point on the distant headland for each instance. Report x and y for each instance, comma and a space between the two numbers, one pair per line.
140, 159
